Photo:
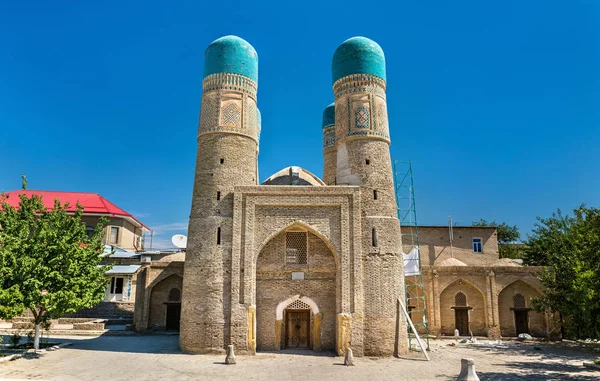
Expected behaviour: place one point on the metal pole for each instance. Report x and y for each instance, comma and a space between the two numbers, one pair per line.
451, 233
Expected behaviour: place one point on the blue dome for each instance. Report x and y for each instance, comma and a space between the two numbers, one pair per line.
358, 55
231, 54
329, 115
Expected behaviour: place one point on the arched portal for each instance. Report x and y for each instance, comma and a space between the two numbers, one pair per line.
165, 304
463, 308
516, 314
296, 283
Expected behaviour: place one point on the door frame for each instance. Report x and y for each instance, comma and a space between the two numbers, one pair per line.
172, 304
522, 310
285, 327
463, 308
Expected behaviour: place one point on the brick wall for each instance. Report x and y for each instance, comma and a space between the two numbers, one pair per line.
274, 285
435, 245
107, 310
160, 295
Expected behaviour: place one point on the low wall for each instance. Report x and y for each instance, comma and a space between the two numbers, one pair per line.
107, 310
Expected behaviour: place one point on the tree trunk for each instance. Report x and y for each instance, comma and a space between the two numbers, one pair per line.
562, 326
36, 339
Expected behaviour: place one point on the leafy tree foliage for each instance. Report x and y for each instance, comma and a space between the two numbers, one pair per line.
571, 245
507, 238
48, 264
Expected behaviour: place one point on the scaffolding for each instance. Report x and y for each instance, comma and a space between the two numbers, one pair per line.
413, 279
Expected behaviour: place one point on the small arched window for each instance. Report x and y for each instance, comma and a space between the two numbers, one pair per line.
460, 300
519, 301
174, 295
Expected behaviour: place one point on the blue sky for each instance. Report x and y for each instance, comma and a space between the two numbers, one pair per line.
495, 103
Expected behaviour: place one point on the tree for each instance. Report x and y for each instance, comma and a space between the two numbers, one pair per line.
571, 246
507, 238
48, 265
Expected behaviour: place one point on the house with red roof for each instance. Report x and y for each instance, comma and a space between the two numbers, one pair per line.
123, 240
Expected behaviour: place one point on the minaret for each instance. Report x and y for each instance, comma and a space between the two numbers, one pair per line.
227, 157
363, 159
329, 152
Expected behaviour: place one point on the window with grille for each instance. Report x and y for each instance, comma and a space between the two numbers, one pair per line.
519, 301
295, 248
298, 305
174, 295
460, 300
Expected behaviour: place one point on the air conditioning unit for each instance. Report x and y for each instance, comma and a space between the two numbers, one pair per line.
146, 259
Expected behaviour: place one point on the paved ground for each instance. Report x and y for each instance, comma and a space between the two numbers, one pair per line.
158, 358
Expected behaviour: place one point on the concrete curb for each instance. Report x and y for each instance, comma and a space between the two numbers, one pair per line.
49, 349
11, 357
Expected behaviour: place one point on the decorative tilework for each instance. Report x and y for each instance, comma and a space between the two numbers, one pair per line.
362, 117
328, 138
382, 116
230, 81
359, 83
207, 113
230, 115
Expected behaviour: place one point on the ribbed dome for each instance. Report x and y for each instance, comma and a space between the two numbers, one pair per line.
358, 55
231, 54
329, 115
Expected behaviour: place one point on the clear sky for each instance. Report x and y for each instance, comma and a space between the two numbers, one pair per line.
497, 104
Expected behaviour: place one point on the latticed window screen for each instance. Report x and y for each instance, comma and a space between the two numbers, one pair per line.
295, 248
298, 305
174, 295
519, 301
460, 300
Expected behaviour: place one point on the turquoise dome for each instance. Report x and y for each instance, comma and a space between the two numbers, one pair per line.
358, 55
231, 54
329, 115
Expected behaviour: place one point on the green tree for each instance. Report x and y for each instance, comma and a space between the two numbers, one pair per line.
48, 264
507, 238
571, 246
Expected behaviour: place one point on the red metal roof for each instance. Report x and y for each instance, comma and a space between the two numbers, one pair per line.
92, 202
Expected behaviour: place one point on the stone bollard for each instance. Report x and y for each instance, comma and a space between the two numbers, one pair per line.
456, 333
467, 371
230, 359
349, 357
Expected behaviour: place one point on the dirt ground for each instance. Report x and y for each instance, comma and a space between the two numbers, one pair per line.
158, 358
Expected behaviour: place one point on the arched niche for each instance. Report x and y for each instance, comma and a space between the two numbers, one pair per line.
164, 312
516, 310
463, 307
281, 281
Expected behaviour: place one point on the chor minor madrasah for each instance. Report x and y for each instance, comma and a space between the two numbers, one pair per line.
303, 262
275, 265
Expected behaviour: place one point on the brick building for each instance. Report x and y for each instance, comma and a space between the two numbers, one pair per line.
302, 262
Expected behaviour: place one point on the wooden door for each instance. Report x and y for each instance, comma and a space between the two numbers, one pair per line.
173, 316
461, 320
521, 323
297, 329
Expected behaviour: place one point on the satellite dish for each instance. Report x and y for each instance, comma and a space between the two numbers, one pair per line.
179, 240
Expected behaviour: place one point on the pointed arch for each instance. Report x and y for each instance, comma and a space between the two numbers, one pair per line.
517, 282
515, 312
300, 225
463, 307
466, 282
